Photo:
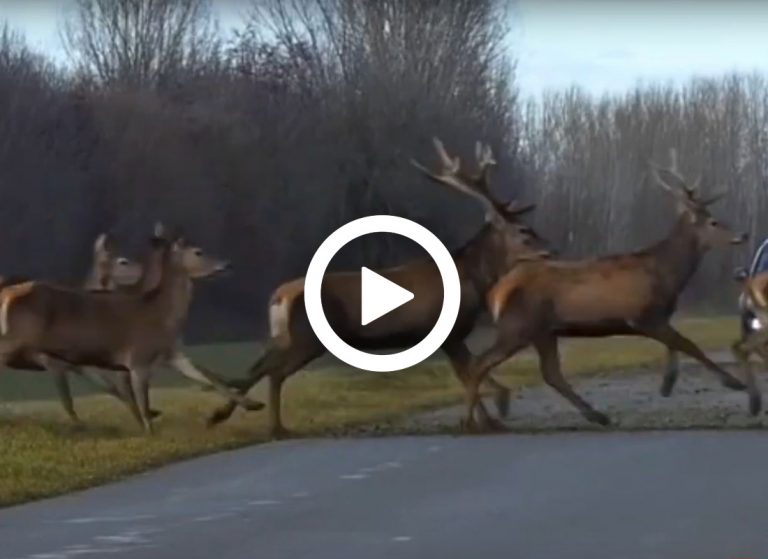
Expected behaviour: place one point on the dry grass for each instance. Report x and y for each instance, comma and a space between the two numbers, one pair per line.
45, 455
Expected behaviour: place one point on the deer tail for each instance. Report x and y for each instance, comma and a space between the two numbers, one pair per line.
7, 296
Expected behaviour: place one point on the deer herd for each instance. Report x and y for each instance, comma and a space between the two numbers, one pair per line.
127, 318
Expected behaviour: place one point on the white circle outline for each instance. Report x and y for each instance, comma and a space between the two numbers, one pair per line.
371, 361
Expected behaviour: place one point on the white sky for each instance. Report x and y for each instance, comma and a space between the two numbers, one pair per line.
600, 45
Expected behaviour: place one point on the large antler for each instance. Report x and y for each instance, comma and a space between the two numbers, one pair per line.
451, 174
671, 180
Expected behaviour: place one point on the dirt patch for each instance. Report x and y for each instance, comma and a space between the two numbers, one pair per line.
630, 398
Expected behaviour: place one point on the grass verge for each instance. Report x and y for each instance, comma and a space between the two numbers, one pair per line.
44, 454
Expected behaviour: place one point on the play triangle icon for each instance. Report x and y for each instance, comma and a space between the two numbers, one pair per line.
379, 296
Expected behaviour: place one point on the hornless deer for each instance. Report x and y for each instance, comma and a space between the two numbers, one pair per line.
495, 249
755, 298
631, 294
108, 272
124, 331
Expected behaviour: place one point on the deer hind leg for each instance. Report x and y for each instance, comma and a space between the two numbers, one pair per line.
675, 341
59, 371
124, 389
65, 394
671, 373
181, 363
460, 357
549, 361
277, 377
120, 389
271, 358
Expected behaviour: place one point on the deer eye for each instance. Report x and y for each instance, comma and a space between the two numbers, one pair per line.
122, 261
198, 252
713, 223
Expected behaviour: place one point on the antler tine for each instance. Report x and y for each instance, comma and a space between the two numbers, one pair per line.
484, 156
450, 175
675, 171
515, 209
450, 164
669, 177
709, 200
673, 160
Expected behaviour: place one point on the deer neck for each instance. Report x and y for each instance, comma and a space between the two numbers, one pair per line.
172, 297
482, 260
99, 278
677, 257
154, 265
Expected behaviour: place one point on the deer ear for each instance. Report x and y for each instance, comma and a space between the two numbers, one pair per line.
159, 230
100, 244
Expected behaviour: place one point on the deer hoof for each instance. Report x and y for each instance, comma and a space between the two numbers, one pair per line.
502, 402
733, 383
666, 387
469, 425
600, 418
218, 416
280, 433
495, 426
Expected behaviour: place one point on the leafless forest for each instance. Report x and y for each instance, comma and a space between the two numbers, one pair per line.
259, 143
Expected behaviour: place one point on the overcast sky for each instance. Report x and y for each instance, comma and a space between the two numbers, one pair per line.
601, 45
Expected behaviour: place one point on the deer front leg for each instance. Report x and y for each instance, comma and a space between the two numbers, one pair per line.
181, 363
460, 357
671, 373
498, 353
675, 341
140, 387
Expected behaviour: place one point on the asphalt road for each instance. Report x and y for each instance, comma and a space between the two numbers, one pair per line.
559, 496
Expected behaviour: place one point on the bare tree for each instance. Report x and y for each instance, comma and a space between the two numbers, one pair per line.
137, 42
388, 74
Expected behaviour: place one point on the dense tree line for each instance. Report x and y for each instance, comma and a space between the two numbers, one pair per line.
260, 144
588, 161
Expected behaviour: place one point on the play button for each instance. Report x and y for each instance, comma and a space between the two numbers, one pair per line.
379, 296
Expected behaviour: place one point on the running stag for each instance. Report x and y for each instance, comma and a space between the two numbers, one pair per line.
493, 250
630, 294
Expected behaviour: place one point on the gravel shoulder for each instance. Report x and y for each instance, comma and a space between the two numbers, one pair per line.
631, 399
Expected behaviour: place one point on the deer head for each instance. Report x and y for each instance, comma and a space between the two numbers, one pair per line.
111, 269
195, 262
516, 238
694, 209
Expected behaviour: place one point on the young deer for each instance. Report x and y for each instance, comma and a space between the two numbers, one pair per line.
754, 298
108, 272
480, 262
632, 294
124, 331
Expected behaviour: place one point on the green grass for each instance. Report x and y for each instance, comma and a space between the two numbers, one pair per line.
44, 454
